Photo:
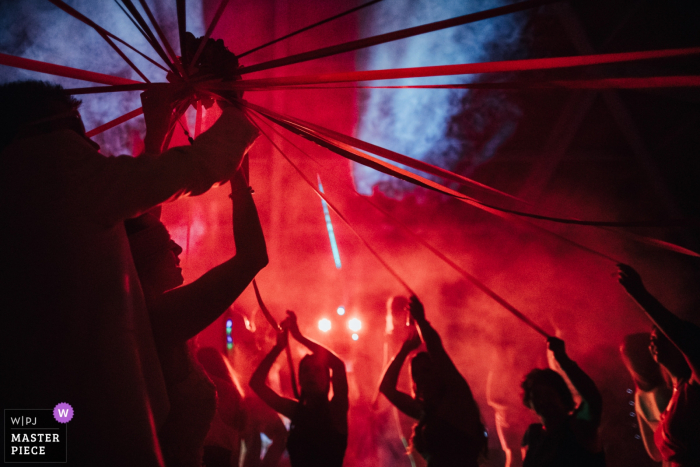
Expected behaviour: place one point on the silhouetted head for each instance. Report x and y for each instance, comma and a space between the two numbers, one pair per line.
30, 108
665, 353
546, 392
156, 255
427, 384
314, 376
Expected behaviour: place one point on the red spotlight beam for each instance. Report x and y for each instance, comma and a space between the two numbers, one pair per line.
65, 71
396, 35
465, 68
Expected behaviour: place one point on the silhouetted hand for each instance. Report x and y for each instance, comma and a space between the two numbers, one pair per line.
630, 279
415, 307
158, 104
412, 342
293, 326
558, 348
282, 338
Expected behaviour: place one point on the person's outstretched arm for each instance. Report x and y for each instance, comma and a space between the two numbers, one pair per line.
441, 360
683, 334
338, 378
581, 381
183, 312
404, 402
258, 382
109, 190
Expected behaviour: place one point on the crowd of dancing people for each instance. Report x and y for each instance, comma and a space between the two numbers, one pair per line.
97, 315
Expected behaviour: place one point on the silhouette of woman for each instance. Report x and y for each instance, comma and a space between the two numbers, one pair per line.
675, 345
319, 427
179, 313
449, 431
568, 435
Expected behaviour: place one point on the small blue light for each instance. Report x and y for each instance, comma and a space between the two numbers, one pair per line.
629, 391
329, 226
229, 339
632, 414
229, 324
341, 310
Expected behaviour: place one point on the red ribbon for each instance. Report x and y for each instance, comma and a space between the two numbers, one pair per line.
605, 83
115, 122
60, 70
466, 68
102, 32
480, 285
276, 327
332, 206
323, 139
392, 36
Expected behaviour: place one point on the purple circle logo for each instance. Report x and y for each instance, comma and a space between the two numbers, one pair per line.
63, 412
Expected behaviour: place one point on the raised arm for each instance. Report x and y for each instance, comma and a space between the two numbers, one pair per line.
338, 378
404, 402
683, 334
581, 381
258, 382
111, 189
442, 362
183, 312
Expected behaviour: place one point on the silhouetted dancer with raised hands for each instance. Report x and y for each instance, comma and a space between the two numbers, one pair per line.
78, 330
179, 312
449, 431
675, 345
568, 435
319, 427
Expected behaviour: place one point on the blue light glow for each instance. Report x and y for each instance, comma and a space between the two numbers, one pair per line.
39, 31
329, 226
445, 127
341, 310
